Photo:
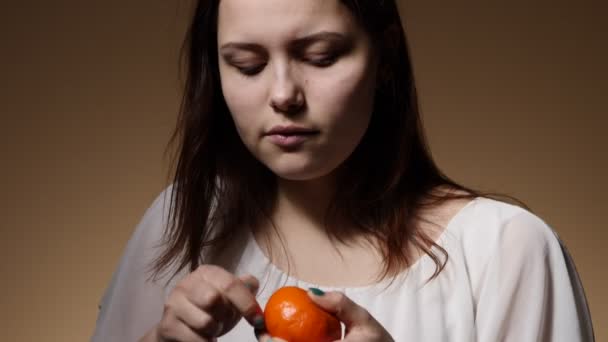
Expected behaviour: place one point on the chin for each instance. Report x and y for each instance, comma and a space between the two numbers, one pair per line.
298, 175
300, 172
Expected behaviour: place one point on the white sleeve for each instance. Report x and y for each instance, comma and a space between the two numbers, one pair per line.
530, 290
132, 304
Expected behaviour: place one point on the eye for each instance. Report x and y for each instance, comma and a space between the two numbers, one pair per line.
251, 70
322, 61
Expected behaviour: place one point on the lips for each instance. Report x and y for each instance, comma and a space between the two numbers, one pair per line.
291, 130
290, 137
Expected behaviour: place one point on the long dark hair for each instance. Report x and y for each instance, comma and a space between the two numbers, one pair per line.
219, 187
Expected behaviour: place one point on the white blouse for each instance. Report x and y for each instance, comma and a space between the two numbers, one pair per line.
508, 278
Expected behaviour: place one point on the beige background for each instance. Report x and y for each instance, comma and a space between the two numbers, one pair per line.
513, 97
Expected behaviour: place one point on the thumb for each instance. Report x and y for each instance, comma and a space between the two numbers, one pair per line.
267, 338
339, 305
251, 282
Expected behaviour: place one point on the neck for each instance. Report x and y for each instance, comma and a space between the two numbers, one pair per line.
301, 206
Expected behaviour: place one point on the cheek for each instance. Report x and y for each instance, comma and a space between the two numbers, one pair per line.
243, 101
349, 105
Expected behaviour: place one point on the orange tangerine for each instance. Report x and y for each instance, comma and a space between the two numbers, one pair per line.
291, 315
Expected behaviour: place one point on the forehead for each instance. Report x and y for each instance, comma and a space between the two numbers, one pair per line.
277, 19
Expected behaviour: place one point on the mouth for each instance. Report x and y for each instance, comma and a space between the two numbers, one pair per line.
291, 130
290, 137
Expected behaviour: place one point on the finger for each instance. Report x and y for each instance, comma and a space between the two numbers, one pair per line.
198, 320
338, 304
268, 338
251, 282
209, 299
176, 330
235, 291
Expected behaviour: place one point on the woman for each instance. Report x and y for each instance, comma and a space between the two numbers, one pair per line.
302, 162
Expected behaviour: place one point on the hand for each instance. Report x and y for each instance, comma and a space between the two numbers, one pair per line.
360, 325
206, 304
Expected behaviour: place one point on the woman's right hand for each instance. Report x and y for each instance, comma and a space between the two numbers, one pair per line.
208, 303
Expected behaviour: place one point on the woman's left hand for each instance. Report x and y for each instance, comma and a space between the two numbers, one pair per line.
360, 325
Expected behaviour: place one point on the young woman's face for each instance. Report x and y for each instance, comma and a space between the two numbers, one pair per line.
299, 80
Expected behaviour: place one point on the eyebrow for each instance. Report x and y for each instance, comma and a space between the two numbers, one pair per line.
296, 44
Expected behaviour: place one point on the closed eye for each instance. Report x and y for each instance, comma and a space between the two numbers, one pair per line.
322, 61
251, 70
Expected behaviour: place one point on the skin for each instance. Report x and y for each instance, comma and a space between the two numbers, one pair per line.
284, 62
304, 63
309, 64
207, 303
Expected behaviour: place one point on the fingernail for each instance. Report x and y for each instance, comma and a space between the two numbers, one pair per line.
316, 291
250, 287
258, 322
218, 330
258, 333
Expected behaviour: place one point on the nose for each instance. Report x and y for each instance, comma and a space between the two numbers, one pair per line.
286, 95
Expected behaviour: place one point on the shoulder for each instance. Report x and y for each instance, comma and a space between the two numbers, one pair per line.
488, 228
487, 220
146, 241
131, 289
158, 211
142, 248
155, 219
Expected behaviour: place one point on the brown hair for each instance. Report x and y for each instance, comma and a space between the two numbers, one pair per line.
219, 187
